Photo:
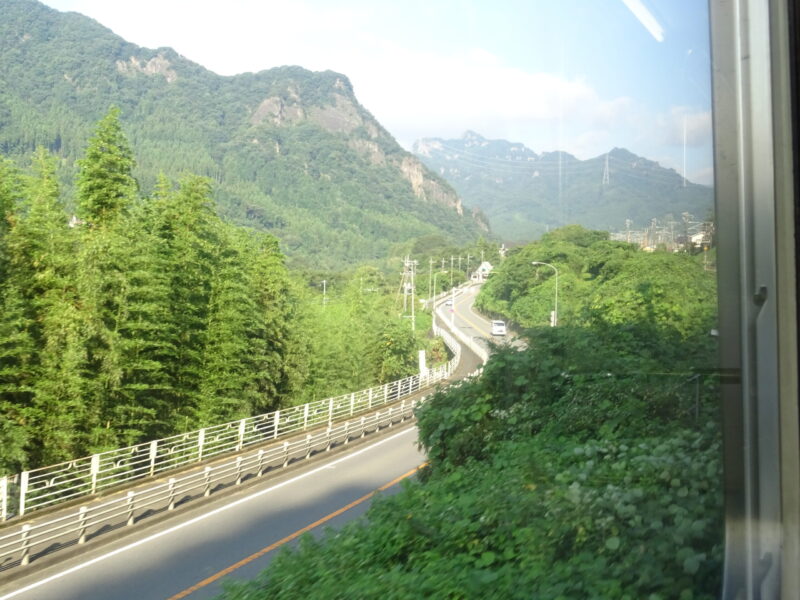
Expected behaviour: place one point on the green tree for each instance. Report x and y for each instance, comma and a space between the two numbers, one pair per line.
49, 315
105, 184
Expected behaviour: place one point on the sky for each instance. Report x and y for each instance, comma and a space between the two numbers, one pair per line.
582, 76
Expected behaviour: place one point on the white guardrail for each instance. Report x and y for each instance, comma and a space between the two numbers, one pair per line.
66, 481
20, 547
48, 486
469, 342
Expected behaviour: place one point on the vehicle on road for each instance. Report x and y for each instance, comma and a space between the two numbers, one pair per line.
498, 328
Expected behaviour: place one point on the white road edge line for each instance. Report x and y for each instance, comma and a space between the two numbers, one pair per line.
199, 518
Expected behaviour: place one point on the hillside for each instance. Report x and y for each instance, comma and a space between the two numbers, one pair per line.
518, 190
290, 151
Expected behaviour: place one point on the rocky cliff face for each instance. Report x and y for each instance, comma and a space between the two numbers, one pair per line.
343, 115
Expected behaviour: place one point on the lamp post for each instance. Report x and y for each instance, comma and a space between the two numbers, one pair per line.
554, 320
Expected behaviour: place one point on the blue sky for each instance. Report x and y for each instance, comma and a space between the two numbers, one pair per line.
578, 75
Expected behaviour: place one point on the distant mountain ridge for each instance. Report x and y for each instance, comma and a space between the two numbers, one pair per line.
523, 194
291, 151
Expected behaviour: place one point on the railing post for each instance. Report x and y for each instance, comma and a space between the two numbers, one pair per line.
82, 521
23, 491
276, 421
328, 447
153, 456
94, 470
201, 442
260, 462
4, 498
346, 432
369, 401
402, 411
330, 412
26, 550
363, 429
207, 480
305, 416
240, 443
285, 454
352, 403
131, 507
308, 445
171, 488
238, 470
390, 416
385, 393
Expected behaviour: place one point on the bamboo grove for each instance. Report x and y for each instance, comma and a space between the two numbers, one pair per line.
129, 318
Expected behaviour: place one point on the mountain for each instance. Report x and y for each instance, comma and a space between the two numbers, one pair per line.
523, 194
291, 151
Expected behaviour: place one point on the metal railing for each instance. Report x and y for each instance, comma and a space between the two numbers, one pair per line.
48, 486
27, 542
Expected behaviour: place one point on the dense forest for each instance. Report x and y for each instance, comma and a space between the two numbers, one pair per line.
292, 152
584, 466
137, 316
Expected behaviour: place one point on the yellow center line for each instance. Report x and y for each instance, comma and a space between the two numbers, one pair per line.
471, 322
290, 537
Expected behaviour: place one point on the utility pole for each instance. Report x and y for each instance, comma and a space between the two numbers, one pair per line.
407, 287
430, 279
451, 270
413, 302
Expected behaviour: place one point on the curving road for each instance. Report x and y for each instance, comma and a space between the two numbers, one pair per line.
187, 556
462, 314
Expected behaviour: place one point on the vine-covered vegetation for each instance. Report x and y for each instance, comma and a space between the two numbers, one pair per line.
132, 318
584, 466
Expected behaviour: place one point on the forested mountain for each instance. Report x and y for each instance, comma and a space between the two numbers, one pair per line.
290, 151
524, 194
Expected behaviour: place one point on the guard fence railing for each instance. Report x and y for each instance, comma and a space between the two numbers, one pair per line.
23, 543
52, 485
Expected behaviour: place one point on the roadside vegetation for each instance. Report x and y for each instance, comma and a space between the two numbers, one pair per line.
585, 466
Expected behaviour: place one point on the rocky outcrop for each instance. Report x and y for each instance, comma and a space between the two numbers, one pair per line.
158, 65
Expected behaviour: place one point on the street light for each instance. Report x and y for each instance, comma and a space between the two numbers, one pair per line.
554, 320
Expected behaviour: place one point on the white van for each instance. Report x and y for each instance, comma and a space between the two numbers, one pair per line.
498, 328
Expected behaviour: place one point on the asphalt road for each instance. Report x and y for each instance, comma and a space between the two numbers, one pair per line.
462, 314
